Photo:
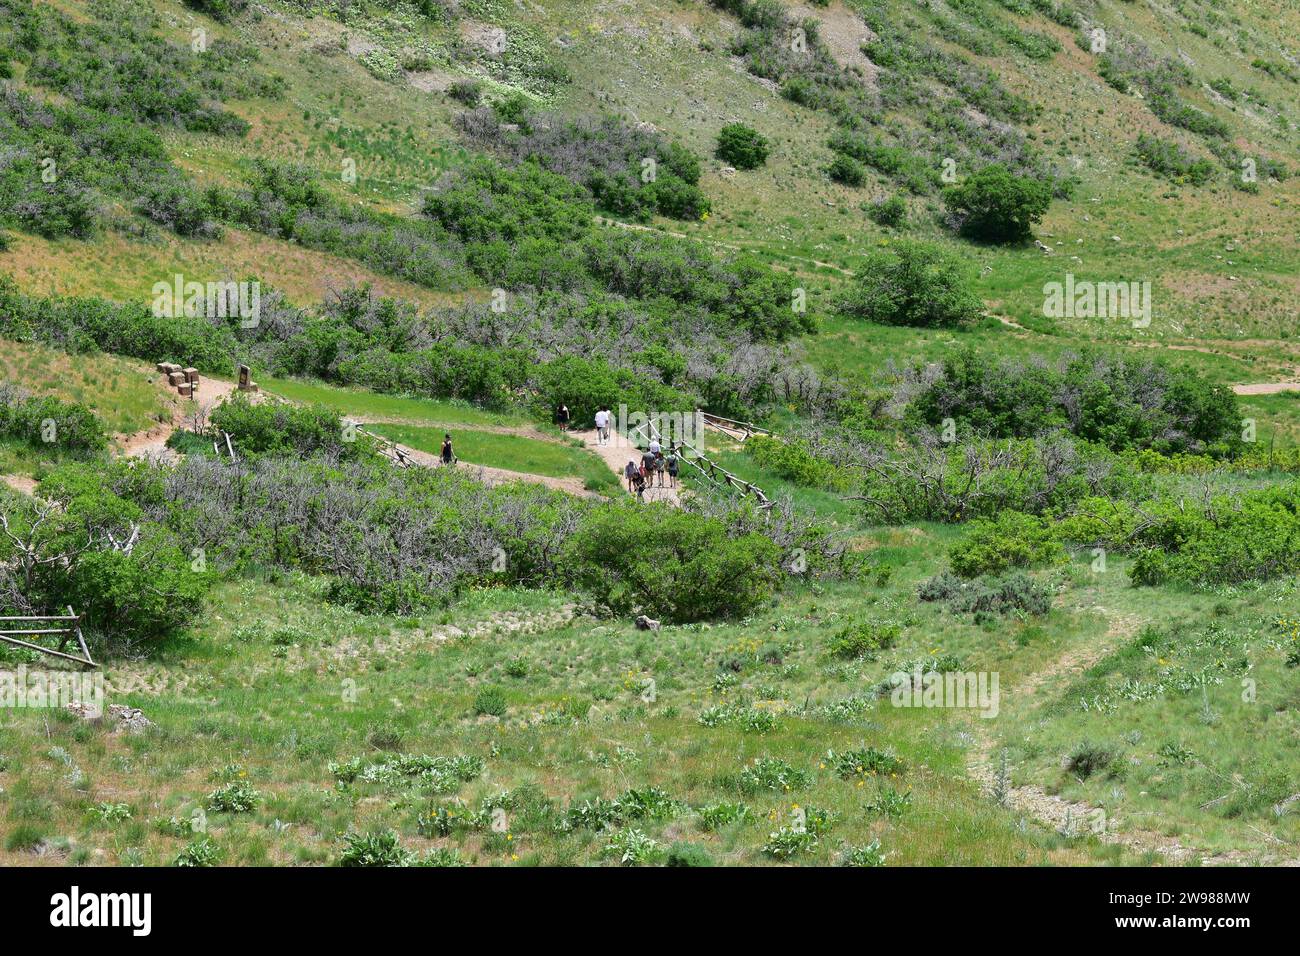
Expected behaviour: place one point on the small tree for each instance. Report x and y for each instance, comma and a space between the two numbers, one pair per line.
913, 284
742, 146
846, 170
995, 205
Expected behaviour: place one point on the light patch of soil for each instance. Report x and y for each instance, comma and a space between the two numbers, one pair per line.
152, 443
843, 32
20, 483
1266, 388
431, 81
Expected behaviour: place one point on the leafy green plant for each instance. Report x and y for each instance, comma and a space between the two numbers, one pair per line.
913, 284
742, 146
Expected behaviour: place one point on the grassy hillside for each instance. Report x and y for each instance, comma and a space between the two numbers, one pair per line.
460, 215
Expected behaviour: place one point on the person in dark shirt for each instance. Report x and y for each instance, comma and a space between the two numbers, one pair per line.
562, 417
448, 456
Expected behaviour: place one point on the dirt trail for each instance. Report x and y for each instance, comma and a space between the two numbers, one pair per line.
1266, 388
152, 442
498, 476
617, 454
1053, 811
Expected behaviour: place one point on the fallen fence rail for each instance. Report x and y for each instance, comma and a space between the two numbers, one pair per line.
68, 626
731, 427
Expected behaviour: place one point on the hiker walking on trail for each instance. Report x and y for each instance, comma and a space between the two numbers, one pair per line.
630, 473
562, 417
640, 482
659, 467
609, 420
448, 456
670, 460
647, 464
602, 423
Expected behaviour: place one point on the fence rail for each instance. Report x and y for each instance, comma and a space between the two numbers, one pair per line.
13, 629
710, 470
731, 427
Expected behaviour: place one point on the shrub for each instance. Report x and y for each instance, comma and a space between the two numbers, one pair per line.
221, 10
846, 171
788, 842
671, 565
771, 773
864, 762
50, 422
1114, 400
742, 146
795, 461
1088, 758
889, 212
198, 853
374, 850
490, 702
995, 205
688, 854
633, 848
721, 815
468, 92
1011, 540
1171, 160
864, 639
277, 429
913, 284
238, 796
869, 854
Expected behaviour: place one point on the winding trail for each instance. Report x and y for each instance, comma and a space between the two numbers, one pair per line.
1066, 815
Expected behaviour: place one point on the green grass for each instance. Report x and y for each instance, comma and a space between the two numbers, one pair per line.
511, 452
230, 705
125, 395
373, 405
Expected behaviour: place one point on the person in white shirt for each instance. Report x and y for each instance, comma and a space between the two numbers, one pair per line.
655, 448
602, 422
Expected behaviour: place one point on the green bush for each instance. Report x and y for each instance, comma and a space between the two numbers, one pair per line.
913, 284
379, 849
1111, 399
671, 565
1011, 540
794, 461
742, 146
846, 171
995, 205
688, 854
278, 429
891, 212
864, 639
490, 702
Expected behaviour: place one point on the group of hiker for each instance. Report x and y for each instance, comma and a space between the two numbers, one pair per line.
654, 462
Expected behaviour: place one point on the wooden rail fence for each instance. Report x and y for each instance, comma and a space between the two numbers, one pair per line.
66, 626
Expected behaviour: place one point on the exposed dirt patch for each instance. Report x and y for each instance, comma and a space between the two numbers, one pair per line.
1267, 388
20, 483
